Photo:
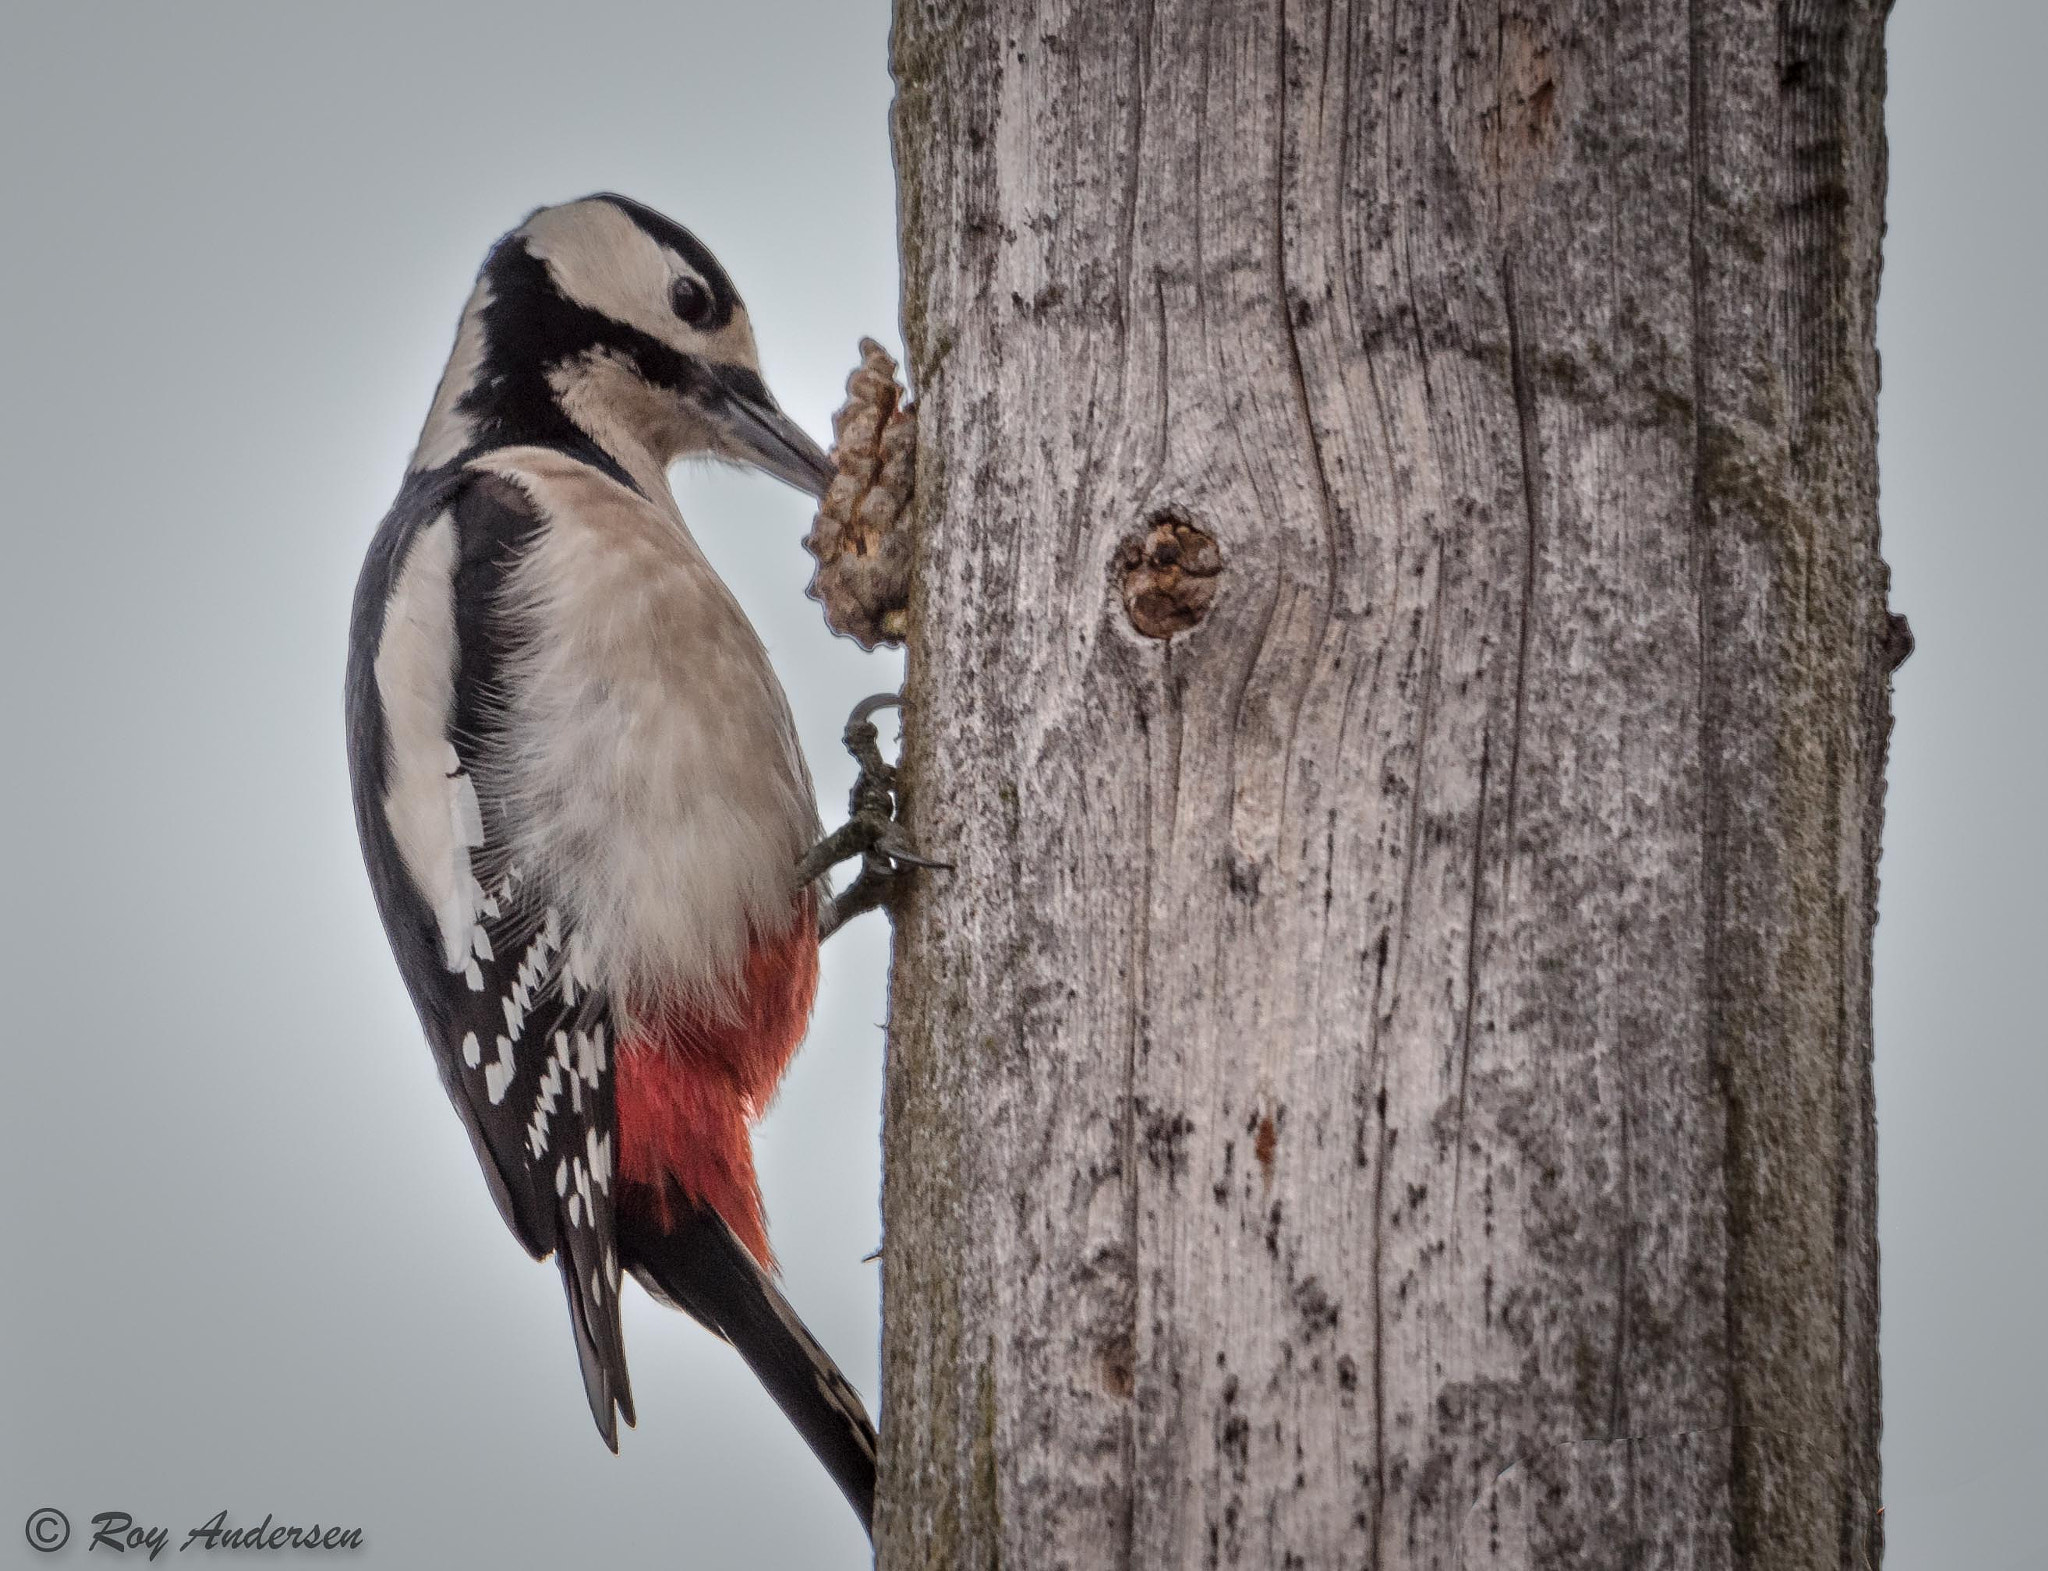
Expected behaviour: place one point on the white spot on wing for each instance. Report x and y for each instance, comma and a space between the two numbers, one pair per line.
544, 1104
498, 1077
565, 1060
586, 1057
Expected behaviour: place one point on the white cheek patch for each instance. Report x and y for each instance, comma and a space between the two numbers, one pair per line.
430, 804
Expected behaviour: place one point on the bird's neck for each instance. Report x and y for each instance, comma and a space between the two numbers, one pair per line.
638, 427
487, 400
451, 428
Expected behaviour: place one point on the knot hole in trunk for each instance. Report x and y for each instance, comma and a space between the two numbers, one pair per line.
1168, 573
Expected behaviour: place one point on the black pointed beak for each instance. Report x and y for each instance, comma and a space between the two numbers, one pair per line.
762, 435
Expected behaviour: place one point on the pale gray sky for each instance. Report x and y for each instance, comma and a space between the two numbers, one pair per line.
1962, 1075
251, 1264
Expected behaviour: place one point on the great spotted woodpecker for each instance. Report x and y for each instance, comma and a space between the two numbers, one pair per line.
581, 797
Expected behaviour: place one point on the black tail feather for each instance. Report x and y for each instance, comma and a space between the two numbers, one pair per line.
701, 1268
600, 1340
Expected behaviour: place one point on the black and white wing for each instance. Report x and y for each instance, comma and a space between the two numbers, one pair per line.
524, 1043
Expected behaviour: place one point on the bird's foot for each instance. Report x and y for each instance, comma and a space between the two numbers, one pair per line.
872, 830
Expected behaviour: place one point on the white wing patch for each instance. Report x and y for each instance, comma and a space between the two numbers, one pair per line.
429, 802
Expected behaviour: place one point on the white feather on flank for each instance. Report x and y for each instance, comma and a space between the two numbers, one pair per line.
448, 431
429, 803
650, 774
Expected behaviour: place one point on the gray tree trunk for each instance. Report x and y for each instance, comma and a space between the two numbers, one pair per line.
1400, 656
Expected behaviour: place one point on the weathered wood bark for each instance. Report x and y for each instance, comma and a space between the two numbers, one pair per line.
1389, 1084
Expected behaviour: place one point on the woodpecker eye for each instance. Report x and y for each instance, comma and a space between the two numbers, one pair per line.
692, 301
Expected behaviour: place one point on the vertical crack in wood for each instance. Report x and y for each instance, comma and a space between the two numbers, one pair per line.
1379, 1319
1134, 164
1617, 1406
1133, 1177
1847, 1166
1126, 328
1531, 452
1714, 785
1284, 300
1165, 386
1472, 918
1139, 1027
1431, 667
1500, 115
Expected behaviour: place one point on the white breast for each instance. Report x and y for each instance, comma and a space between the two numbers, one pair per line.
650, 770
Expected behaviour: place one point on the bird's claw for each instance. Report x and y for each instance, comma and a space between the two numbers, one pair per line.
872, 831
898, 850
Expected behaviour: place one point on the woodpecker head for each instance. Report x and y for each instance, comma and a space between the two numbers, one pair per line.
602, 319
